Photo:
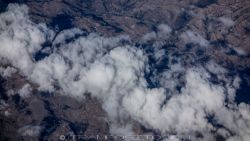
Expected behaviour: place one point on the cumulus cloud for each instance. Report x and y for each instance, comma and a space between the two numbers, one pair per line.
30, 130
240, 51
19, 37
113, 71
193, 37
7, 72
25, 91
182, 113
228, 22
163, 32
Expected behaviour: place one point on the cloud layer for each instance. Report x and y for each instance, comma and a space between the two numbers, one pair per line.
113, 70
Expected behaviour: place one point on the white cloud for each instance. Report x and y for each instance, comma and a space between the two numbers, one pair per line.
66, 34
19, 37
240, 51
7, 72
30, 130
228, 22
113, 72
25, 91
163, 32
193, 37
182, 113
